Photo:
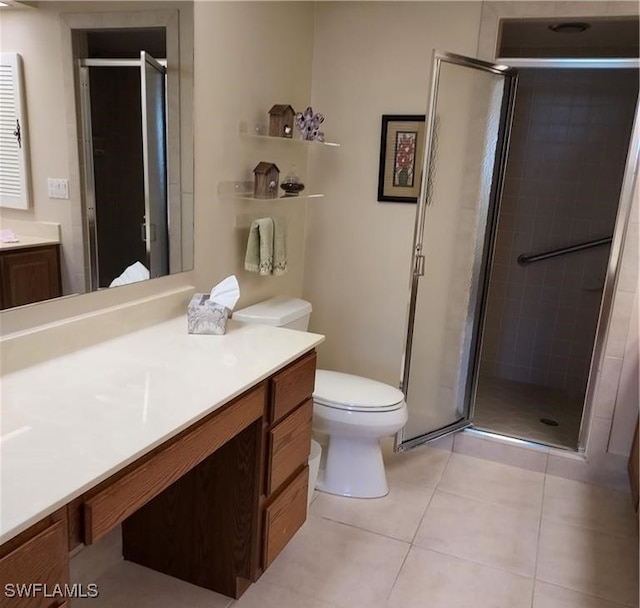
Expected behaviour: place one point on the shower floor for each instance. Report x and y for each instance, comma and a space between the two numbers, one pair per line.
516, 408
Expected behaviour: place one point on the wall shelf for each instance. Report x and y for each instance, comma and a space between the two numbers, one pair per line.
244, 132
248, 197
243, 191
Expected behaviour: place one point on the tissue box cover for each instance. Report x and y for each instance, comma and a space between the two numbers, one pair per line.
204, 317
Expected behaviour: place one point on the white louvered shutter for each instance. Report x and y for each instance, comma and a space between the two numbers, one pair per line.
14, 167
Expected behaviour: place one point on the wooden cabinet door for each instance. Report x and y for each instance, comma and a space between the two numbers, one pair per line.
42, 561
29, 275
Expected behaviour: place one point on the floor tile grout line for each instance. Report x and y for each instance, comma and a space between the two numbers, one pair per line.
445, 467
612, 490
397, 576
424, 514
558, 520
535, 564
366, 530
484, 501
472, 561
411, 545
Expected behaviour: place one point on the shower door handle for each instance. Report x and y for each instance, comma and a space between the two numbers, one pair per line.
143, 232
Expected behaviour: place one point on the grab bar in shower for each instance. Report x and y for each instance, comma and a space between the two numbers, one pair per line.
523, 260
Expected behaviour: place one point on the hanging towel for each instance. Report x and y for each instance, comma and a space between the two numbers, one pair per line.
279, 247
259, 255
266, 248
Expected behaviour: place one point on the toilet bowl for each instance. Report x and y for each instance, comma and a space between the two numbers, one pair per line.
353, 412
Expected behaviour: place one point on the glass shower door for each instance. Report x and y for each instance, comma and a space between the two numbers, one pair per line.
154, 134
467, 124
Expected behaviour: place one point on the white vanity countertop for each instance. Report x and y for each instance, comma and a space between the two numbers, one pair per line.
70, 423
29, 241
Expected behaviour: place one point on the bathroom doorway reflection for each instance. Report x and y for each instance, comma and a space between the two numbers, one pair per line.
569, 143
124, 127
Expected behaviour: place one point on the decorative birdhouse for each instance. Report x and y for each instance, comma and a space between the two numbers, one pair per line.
281, 118
265, 180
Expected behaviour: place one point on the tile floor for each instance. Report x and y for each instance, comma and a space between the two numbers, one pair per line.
454, 532
515, 409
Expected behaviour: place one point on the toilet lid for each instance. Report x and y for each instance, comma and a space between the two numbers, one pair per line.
348, 392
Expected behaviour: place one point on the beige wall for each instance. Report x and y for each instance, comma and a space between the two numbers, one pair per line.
35, 34
370, 58
248, 56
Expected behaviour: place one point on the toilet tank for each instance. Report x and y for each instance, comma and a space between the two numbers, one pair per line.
280, 311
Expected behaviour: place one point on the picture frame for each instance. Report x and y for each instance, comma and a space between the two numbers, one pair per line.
401, 157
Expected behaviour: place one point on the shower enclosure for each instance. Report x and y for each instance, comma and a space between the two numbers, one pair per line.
569, 143
517, 234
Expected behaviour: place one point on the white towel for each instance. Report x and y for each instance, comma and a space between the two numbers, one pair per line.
132, 274
266, 247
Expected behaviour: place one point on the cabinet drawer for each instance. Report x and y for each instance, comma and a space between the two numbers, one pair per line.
284, 516
127, 494
292, 386
289, 445
44, 559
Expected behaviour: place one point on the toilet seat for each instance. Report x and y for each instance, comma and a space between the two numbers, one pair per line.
354, 393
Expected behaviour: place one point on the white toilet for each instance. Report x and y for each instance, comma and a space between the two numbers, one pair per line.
352, 411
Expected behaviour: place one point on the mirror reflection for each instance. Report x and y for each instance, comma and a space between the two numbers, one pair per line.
106, 119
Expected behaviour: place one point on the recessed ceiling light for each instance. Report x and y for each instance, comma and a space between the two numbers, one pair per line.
570, 27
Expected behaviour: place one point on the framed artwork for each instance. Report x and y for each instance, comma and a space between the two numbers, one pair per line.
401, 155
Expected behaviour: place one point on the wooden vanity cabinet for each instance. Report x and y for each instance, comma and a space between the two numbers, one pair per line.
288, 442
29, 274
213, 505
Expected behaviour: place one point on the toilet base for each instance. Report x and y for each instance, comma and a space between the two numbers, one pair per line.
354, 468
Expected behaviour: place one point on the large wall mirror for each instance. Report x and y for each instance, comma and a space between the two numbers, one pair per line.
108, 99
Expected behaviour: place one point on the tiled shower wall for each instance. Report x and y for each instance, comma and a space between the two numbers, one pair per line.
566, 161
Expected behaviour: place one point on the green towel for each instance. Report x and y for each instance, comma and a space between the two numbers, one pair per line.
279, 247
266, 248
259, 256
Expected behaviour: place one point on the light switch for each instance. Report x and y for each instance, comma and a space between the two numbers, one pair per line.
58, 188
